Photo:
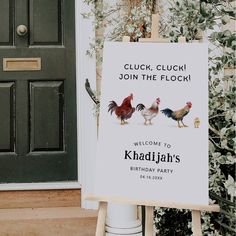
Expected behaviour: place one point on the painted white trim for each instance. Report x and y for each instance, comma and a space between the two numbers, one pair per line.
86, 123
40, 186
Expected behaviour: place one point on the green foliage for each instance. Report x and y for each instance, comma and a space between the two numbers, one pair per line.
118, 20
171, 222
189, 18
136, 24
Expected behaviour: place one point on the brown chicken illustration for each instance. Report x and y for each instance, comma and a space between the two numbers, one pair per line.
149, 113
124, 111
179, 114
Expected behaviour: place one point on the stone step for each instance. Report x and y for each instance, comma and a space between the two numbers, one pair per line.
40, 198
58, 221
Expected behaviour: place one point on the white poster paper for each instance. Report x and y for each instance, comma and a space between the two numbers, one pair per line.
153, 127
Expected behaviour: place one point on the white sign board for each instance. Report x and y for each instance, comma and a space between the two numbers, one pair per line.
153, 128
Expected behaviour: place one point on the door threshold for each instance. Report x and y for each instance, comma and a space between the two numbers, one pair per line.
40, 186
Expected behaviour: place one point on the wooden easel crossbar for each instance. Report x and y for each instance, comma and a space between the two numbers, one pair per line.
149, 205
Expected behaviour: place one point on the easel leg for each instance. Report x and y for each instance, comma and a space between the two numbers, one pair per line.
143, 219
102, 213
196, 223
149, 221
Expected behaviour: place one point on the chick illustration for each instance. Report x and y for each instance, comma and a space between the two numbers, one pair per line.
197, 122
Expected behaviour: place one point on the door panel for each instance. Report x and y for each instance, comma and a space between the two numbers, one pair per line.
7, 116
38, 108
6, 22
47, 116
46, 22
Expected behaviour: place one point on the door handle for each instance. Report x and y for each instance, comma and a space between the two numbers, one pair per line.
21, 30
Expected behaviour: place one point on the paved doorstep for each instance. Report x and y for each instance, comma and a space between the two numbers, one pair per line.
46, 213
60, 221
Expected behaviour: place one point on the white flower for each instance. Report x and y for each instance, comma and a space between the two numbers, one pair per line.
223, 131
230, 159
216, 154
224, 143
218, 89
234, 118
230, 186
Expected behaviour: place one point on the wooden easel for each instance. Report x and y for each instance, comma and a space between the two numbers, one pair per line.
149, 205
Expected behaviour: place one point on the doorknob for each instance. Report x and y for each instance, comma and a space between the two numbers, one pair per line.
21, 30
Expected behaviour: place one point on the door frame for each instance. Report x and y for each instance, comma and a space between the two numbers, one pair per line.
86, 122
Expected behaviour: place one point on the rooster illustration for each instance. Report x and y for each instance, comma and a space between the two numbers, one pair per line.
124, 111
179, 114
149, 113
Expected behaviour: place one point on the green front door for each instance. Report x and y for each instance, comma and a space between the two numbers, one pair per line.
37, 91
